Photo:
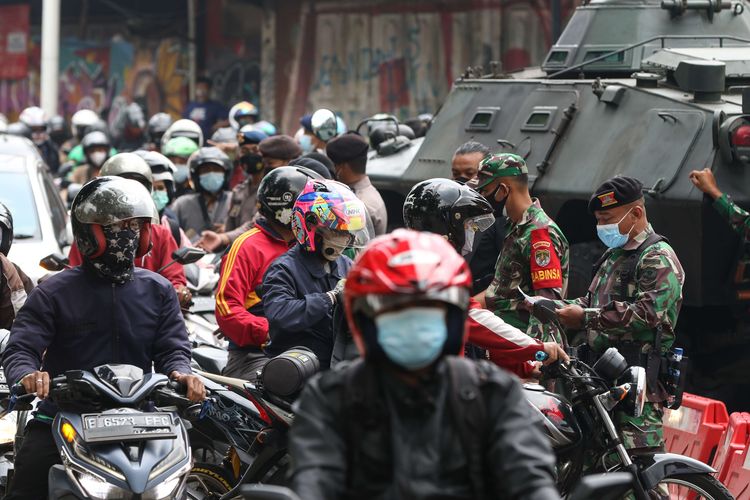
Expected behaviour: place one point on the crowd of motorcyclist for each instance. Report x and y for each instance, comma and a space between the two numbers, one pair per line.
308, 262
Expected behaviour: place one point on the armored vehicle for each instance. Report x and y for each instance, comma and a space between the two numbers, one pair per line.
632, 87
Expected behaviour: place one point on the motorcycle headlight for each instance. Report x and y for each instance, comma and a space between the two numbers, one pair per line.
99, 489
165, 489
636, 398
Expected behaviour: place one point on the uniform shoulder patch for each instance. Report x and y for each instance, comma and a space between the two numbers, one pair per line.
546, 271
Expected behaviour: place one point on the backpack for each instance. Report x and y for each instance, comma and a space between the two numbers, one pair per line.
363, 407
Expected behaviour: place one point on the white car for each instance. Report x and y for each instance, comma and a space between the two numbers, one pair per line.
40, 219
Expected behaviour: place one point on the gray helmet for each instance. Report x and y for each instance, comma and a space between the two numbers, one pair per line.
183, 128
93, 139
158, 125
104, 201
130, 166
18, 128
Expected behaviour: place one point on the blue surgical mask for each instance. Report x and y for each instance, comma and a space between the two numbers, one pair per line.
212, 181
305, 142
412, 338
610, 233
182, 174
161, 198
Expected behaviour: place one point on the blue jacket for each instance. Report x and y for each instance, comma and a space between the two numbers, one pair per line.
82, 321
296, 304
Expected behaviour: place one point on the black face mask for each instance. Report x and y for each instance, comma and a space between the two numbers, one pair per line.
251, 163
497, 206
116, 263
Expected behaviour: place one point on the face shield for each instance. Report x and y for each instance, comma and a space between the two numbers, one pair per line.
473, 226
334, 242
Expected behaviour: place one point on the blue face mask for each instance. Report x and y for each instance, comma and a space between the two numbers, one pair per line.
305, 142
161, 198
412, 338
212, 181
610, 233
182, 174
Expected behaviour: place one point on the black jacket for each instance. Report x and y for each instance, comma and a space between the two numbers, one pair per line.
407, 445
82, 321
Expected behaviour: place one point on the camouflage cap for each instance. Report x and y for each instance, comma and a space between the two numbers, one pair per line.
496, 165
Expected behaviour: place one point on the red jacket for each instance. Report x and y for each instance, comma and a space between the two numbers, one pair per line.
508, 347
163, 245
239, 311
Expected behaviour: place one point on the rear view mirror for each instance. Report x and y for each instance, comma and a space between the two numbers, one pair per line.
188, 255
610, 486
267, 492
54, 262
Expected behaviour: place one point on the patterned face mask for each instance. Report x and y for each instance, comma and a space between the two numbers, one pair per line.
116, 263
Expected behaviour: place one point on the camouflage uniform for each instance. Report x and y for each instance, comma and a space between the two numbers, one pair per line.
737, 218
535, 258
656, 287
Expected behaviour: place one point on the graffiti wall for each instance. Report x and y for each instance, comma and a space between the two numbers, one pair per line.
402, 57
104, 75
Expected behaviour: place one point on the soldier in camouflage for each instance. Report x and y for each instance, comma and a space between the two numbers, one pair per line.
534, 257
737, 218
636, 292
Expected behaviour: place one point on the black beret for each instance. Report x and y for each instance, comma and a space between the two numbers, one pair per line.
313, 165
280, 147
346, 147
616, 192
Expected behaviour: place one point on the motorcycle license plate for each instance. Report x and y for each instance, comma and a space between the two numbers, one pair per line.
102, 427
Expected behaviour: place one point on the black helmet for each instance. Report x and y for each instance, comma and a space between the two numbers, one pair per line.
213, 155
106, 200
130, 166
444, 206
157, 125
279, 190
6, 227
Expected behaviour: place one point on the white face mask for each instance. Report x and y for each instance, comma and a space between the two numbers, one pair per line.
97, 158
468, 242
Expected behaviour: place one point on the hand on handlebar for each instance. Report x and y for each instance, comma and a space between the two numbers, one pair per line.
571, 316
196, 391
36, 383
184, 296
554, 353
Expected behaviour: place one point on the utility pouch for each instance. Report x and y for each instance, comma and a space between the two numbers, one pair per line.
673, 375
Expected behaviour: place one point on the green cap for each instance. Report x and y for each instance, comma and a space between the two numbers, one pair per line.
181, 147
498, 165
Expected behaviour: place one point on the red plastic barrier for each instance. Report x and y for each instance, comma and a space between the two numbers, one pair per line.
736, 472
696, 427
734, 441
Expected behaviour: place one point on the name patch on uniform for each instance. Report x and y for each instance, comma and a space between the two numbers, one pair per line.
545, 263
607, 199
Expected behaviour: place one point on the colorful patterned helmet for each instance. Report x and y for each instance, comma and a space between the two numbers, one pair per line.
494, 166
328, 205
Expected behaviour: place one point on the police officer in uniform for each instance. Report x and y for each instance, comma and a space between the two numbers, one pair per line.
534, 257
634, 299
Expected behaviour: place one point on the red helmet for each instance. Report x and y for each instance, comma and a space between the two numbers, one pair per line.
406, 267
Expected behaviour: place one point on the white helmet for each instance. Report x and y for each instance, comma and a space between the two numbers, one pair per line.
3, 123
33, 116
81, 120
183, 128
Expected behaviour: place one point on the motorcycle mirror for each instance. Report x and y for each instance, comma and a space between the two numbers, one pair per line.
54, 262
609, 486
323, 123
188, 255
267, 492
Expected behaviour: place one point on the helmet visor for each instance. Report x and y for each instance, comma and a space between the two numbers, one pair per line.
113, 201
480, 223
341, 239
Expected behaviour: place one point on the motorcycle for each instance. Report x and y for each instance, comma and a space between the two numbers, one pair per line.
254, 428
582, 430
11, 425
111, 441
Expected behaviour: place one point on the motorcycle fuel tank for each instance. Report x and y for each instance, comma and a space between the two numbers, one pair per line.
557, 416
